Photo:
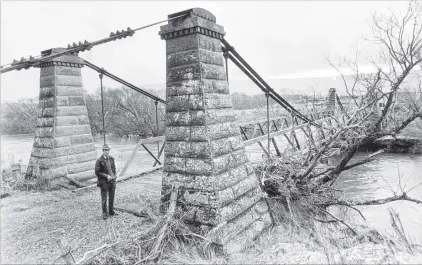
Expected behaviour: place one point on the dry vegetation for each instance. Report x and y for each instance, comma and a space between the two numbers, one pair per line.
313, 223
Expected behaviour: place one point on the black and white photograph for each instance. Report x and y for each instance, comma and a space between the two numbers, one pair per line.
211, 132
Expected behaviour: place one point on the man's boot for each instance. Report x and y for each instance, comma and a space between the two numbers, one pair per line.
113, 213
105, 215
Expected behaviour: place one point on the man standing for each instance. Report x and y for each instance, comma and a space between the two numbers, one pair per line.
105, 170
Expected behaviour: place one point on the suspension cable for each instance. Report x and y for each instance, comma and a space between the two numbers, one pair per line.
75, 48
123, 82
247, 66
102, 105
248, 70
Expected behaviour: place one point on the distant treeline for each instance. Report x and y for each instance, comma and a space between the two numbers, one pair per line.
127, 112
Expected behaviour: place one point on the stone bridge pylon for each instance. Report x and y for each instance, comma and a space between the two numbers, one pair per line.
204, 151
63, 142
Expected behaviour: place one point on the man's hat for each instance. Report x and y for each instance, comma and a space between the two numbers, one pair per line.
106, 147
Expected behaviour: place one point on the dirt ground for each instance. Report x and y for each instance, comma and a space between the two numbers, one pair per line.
31, 222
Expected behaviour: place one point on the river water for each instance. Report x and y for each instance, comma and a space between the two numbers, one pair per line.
374, 180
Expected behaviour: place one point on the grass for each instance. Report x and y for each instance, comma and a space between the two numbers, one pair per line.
297, 238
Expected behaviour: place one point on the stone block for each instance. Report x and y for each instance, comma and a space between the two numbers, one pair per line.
196, 197
177, 133
62, 151
69, 91
81, 139
62, 160
215, 116
49, 70
177, 103
181, 88
46, 102
188, 149
197, 87
76, 101
218, 101
184, 180
73, 149
42, 152
195, 17
62, 101
44, 132
209, 43
229, 161
198, 166
185, 43
210, 57
206, 86
44, 142
214, 72
48, 81
178, 118
260, 208
185, 118
196, 102
45, 122
66, 120
66, 70
85, 157
231, 193
68, 80
231, 229
187, 165
58, 171
47, 112
205, 182
226, 145
222, 130
220, 87
83, 176
203, 215
81, 167
72, 130
46, 92
62, 141
238, 206
198, 133
174, 164
206, 215
183, 58
248, 235
184, 73
71, 111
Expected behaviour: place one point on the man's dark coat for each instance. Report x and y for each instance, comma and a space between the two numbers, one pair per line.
102, 172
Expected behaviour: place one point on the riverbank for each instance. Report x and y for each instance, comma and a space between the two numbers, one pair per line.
409, 140
32, 221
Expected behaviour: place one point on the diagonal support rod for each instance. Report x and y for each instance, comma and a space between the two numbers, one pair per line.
123, 82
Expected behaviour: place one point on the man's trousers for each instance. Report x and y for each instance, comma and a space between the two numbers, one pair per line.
110, 188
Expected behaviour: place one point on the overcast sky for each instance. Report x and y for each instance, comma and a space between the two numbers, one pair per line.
279, 39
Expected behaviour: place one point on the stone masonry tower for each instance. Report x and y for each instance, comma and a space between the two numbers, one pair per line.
331, 99
63, 142
204, 151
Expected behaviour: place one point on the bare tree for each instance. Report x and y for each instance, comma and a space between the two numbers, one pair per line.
306, 173
20, 117
135, 114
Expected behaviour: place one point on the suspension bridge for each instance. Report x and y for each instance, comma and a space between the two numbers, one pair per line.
204, 144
